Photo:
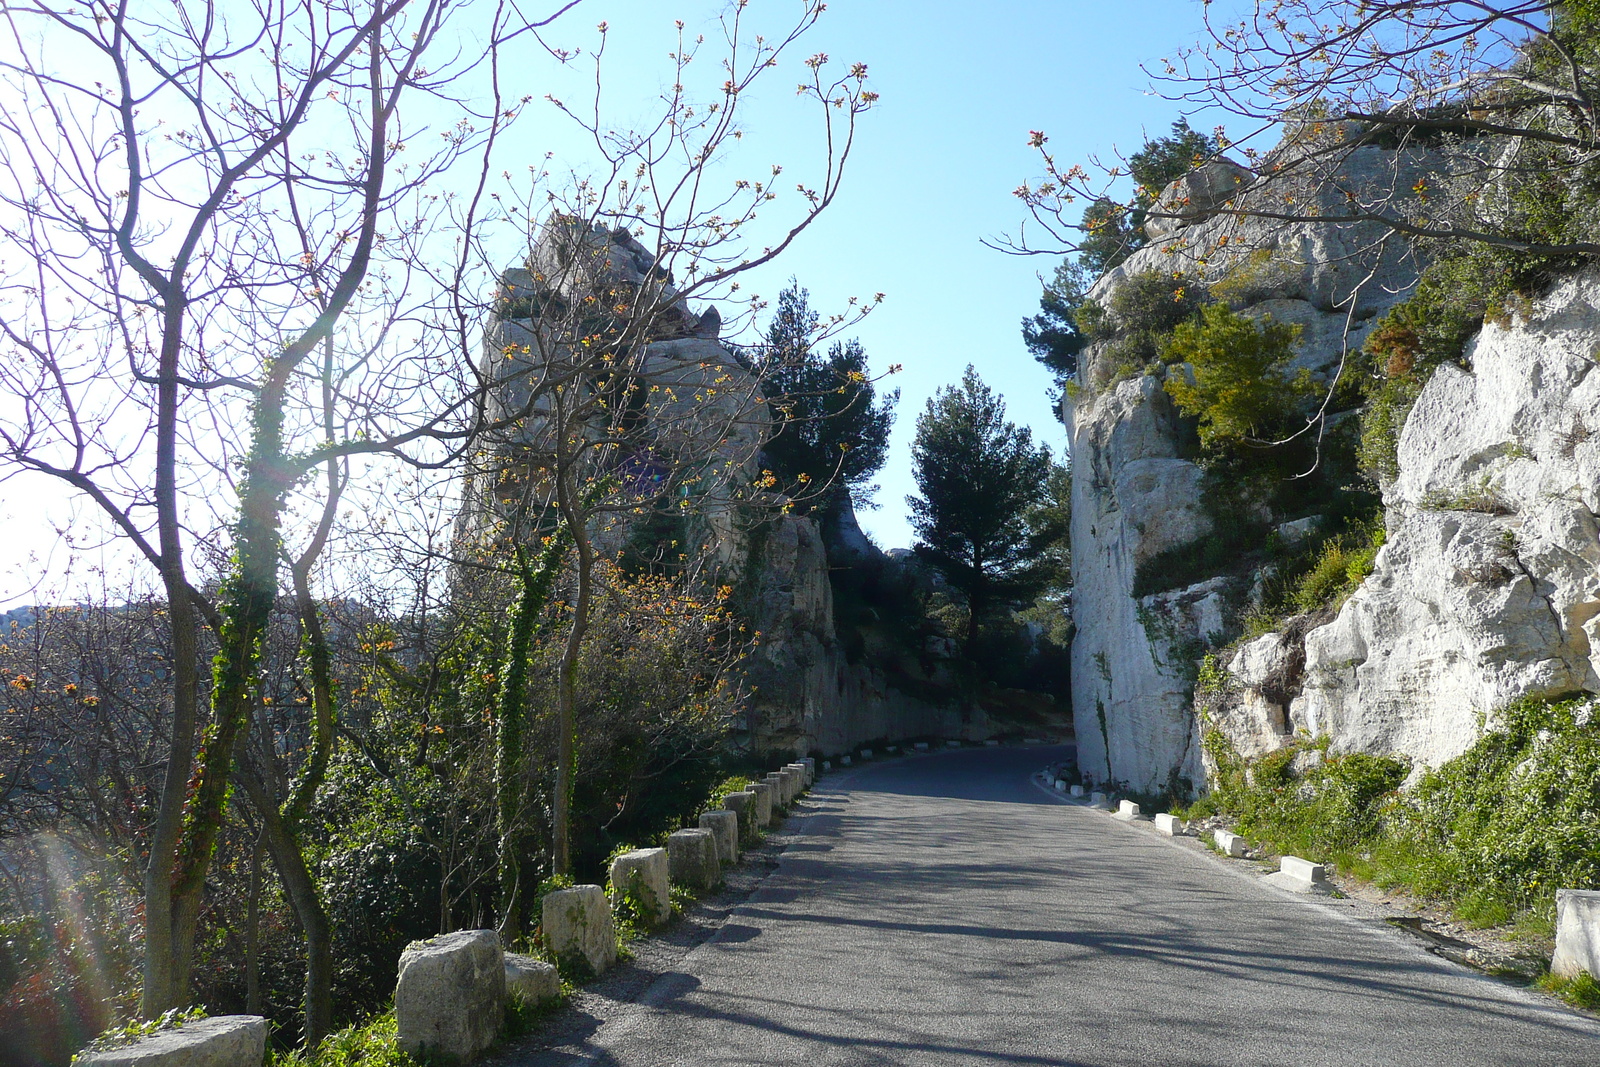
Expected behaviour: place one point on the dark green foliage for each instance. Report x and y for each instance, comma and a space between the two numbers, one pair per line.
1109, 236
1164, 160
979, 476
1237, 382
1112, 231
1137, 321
1494, 832
833, 431
1052, 336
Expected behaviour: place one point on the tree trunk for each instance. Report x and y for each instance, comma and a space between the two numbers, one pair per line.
301, 887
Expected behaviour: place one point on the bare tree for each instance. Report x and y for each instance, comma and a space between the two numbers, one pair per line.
210, 230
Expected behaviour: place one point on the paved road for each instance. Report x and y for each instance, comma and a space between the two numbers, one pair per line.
944, 910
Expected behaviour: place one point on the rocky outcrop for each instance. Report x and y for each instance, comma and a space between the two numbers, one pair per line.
702, 402
1488, 588
1136, 493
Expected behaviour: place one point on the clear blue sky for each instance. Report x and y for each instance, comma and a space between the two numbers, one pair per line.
961, 84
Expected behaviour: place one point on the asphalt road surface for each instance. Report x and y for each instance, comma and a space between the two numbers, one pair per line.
943, 909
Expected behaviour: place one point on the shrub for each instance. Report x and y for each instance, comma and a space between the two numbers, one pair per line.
1241, 390
1137, 320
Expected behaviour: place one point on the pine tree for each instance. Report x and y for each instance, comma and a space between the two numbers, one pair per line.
833, 430
980, 478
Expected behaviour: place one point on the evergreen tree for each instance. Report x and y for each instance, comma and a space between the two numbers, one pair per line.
833, 430
1053, 335
1111, 231
980, 478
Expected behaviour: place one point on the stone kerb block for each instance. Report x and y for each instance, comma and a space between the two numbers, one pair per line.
1230, 844
798, 774
531, 981
221, 1041
1577, 933
644, 870
452, 992
1076, 791
866, 753
692, 855
992, 743
578, 926
952, 743
844, 761
802, 772
1127, 811
1061, 785
791, 785
1169, 824
1098, 800
827, 764
780, 789
743, 804
1302, 870
764, 802
724, 827
811, 769
920, 746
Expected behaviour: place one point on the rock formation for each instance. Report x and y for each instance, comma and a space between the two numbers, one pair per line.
1488, 587
703, 402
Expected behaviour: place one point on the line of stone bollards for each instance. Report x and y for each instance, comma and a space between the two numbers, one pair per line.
1577, 947
452, 990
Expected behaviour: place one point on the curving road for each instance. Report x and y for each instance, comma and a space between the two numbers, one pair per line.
945, 910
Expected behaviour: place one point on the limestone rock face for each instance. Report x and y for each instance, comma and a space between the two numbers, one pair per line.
1197, 195
220, 1041
1488, 588
578, 924
451, 994
1136, 494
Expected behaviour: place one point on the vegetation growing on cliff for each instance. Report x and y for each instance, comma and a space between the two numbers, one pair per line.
1493, 833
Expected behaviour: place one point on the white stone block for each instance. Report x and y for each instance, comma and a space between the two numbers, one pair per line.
764, 802
1577, 933
643, 872
920, 746
692, 856
724, 826
452, 992
1061, 785
780, 789
1169, 824
952, 744
220, 1041
992, 743
803, 771
1076, 790
797, 774
1098, 800
1127, 810
743, 804
844, 761
866, 753
811, 770
1230, 844
827, 764
1303, 870
578, 926
531, 981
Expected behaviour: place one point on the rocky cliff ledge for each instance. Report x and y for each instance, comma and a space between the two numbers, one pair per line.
1488, 586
